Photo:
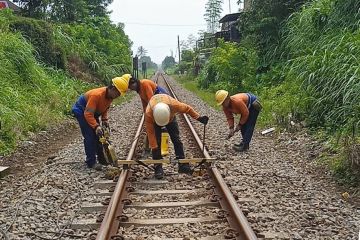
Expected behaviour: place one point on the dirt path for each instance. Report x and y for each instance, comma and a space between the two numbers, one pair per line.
42, 147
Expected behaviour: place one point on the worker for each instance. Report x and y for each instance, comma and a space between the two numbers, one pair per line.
161, 112
245, 104
88, 109
146, 89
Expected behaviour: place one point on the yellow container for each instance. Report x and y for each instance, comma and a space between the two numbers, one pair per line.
164, 142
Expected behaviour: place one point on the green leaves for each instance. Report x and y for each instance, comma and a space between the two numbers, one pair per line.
231, 67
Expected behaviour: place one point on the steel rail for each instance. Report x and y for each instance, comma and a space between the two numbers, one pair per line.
110, 224
236, 218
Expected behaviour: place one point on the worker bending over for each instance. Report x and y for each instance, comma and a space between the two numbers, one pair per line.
88, 109
161, 112
245, 104
146, 89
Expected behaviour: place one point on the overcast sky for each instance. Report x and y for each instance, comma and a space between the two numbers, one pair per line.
155, 24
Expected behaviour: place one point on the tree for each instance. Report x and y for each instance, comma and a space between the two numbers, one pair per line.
263, 21
34, 8
213, 9
168, 62
189, 43
149, 62
66, 11
141, 51
98, 7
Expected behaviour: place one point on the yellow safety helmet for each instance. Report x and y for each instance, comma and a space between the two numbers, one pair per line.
161, 113
220, 96
121, 84
127, 76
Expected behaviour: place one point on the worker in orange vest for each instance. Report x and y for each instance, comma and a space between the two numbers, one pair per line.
88, 109
245, 104
161, 112
146, 89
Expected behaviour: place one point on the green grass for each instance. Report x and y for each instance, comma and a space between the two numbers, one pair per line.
32, 97
191, 84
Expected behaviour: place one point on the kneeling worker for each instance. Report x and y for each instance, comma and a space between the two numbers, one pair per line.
245, 104
161, 112
87, 110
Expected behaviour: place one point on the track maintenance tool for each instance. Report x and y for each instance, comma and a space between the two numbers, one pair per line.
108, 148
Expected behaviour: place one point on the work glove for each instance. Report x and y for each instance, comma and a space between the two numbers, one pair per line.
231, 133
203, 119
99, 131
105, 124
238, 128
156, 154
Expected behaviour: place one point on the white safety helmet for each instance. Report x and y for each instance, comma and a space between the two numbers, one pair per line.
161, 113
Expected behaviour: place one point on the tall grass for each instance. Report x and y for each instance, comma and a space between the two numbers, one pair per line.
324, 47
31, 96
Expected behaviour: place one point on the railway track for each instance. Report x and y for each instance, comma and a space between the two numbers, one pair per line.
136, 206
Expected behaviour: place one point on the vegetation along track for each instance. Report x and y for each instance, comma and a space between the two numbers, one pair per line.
179, 206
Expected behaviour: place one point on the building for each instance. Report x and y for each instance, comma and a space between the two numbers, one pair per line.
229, 31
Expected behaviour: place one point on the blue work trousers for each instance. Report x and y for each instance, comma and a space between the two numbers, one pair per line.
173, 130
91, 141
247, 129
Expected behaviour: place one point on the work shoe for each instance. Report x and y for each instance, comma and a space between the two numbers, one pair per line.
241, 147
97, 167
159, 172
185, 168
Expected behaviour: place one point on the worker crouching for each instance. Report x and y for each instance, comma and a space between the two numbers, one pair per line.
88, 109
161, 112
245, 104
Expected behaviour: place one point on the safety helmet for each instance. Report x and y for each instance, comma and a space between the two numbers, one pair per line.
220, 96
121, 84
127, 76
161, 113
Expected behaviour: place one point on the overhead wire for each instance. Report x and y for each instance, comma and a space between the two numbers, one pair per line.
164, 25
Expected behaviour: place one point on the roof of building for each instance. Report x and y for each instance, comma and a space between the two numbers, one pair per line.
11, 5
230, 17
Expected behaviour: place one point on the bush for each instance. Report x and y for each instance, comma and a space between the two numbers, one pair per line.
230, 67
40, 35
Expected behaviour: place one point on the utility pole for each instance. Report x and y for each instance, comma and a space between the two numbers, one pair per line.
179, 47
229, 7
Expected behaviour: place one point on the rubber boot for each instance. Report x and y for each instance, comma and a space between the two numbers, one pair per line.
159, 172
185, 168
241, 148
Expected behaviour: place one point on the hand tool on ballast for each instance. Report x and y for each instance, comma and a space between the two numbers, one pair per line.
203, 150
108, 148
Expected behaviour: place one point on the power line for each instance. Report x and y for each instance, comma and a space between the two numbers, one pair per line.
164, 25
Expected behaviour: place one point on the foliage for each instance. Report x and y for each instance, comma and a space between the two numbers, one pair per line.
148, 61
230, 67
141, 51
213, 9
190, 84
31, 97
327, 62
65, 11
102, 45
168, 62
263, 23
40, 35
35, 91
